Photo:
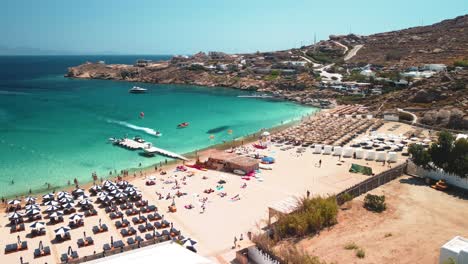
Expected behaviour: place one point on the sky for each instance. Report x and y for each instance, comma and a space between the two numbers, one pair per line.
186, 27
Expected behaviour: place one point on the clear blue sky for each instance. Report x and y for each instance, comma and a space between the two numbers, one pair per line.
184, 27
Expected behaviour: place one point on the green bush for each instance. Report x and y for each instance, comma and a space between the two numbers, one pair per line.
461, 63
360, 253
351, 246
375, 203
419, 155
312, 216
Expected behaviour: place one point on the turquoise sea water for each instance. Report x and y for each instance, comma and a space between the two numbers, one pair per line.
54, 129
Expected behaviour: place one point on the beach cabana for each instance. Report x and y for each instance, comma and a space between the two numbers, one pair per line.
348, 152
317, 149
337, 151
370, 155
381, 156
229, 162
359, 153
392, 157
327, 150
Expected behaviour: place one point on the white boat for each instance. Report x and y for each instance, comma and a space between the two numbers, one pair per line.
137, 89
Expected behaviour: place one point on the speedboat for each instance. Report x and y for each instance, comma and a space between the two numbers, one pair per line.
137, 89
183, 125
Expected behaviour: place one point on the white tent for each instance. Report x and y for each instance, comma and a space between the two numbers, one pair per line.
381, 156
359, 153
348, 152
337, 151
317, 149
457, 249
392, 157
370, 155
327, 149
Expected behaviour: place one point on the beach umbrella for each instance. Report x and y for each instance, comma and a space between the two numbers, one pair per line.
49, 196
33, 211
76, 217
191, 248
95, 188
112, 187
108, 183
265, 134
189, 242
77, 192
14, 216
52, 208
31, 206
86, 202
68, 205
120, 195
14, 202
122, 183
82, 197
66, 200
62, 231
61, 195
30, 200
37, 225
56, 214
51, 202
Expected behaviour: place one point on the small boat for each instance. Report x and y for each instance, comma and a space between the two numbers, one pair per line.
183, 125
137, 89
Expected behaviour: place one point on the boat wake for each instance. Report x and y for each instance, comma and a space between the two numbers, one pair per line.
147, 130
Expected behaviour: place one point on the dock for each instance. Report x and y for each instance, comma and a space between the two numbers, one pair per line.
147, 147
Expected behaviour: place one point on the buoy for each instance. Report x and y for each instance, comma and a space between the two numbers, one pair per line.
142, 114
212, 136
230, 131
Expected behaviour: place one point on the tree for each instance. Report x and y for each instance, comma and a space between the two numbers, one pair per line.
458, 163
441, 151
420, 156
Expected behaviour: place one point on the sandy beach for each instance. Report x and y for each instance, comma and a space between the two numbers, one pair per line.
293, 174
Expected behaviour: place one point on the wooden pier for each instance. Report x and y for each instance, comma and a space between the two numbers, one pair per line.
147, 147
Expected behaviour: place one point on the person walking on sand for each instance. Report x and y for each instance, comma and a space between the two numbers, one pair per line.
241, 237
320, 163
308, 194
235, 242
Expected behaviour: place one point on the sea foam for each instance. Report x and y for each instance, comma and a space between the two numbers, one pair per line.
147, 130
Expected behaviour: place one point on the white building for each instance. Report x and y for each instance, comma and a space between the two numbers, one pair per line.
435, 67
457, 249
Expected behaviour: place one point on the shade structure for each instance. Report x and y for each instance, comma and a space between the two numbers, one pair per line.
95, 188
52, 208
14, 202
327, 150
56, 214
381, 156
51, 202
359, 153
189, 242
132, 189
86, 202
108, 183
61, 231
337, 151
49, 196
66, 200
392, 157
14, 216
317, 149
120, 195
68, 205
31, 206
37, 225
82, 197
30, 200
78, 192
76, 217
348, 152
33, 211
370, 154
61, 195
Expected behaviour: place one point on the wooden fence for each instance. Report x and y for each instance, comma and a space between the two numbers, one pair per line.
373, 182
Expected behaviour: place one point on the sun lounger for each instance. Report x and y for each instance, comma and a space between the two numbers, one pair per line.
73, 225
124, 232
90, 212
149, 236
131, 231
63, 238
17, 228
119, 224
35, 218
142, 228
165, 223
85, 242
130, 241
115, 215
38, 253
15, 247
152, 208
158, 225
97, 230
149, 226
174, 232
65, 257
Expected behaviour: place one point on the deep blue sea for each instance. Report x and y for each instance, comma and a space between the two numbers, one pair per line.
54, 129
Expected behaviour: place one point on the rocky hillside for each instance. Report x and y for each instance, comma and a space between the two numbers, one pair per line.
443, 42
441, 100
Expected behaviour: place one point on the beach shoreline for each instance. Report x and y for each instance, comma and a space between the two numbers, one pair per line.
170, 164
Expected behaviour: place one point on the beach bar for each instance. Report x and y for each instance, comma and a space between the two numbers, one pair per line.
229, 162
